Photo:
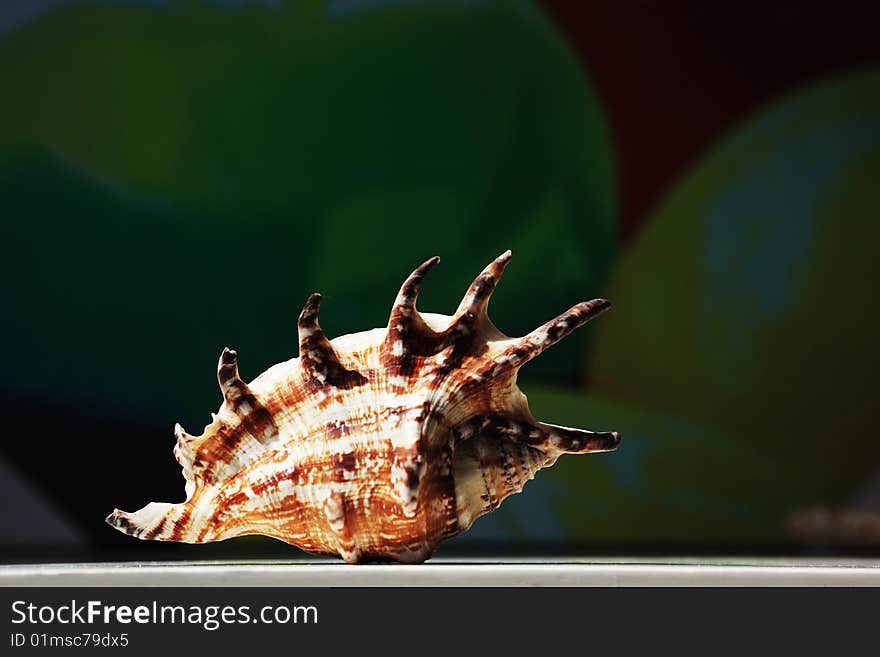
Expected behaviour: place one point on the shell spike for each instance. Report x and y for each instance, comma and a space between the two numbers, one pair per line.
307, 324
317, 356
227, 376
183, 448
533, 344
476, 299
578, 441
315, 351
184, 453
157, 521
405, 303
407, 331
538, 434
255, 419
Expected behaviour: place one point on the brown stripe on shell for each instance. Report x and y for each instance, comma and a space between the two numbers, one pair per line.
217, 458
157, 530
180, 524
344, 467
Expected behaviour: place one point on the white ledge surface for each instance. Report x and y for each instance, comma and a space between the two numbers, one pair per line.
457, 572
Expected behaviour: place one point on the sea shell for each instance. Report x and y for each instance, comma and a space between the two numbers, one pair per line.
375, 445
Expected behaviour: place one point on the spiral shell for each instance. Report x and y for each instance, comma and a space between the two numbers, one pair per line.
375, 445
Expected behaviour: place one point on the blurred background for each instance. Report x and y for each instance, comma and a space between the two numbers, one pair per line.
176, 176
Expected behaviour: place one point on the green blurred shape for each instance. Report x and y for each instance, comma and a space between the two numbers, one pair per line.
671, 480
748, 304
178, 178
122, 308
